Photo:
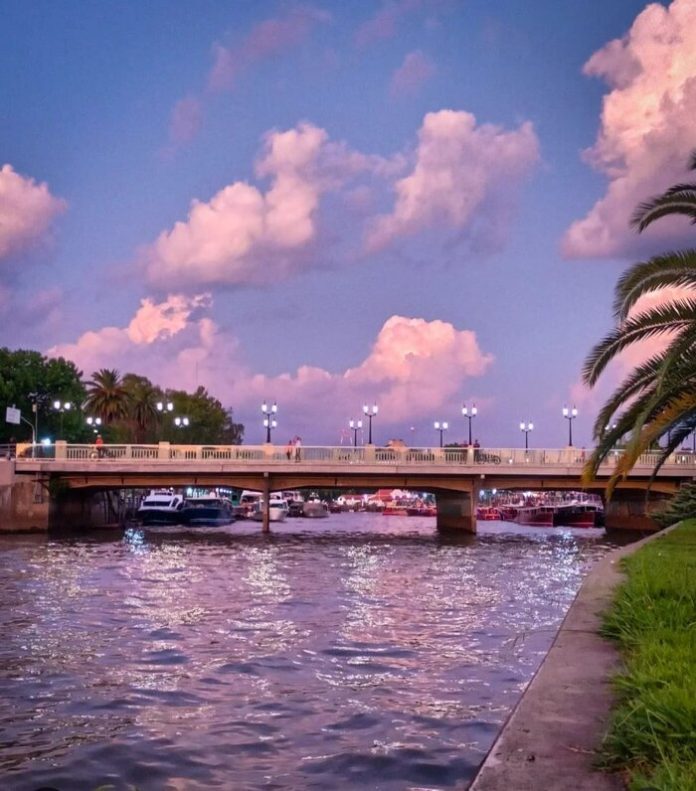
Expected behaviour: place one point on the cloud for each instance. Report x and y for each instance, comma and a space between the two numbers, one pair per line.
415, 369
185, 121
266, 40
646, 132
462, 180
384, 23
245, 236
26, 211
413, 73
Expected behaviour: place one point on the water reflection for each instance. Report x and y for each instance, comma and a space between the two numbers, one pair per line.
356, 653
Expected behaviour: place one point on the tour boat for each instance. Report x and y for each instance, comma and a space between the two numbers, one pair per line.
487, 513
537, 515
208, 510
161, 507
277, 510
315, 509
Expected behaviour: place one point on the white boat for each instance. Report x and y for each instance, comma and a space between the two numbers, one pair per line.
315, 509
277, 510
161, 507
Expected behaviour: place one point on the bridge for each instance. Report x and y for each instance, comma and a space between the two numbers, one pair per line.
455, 475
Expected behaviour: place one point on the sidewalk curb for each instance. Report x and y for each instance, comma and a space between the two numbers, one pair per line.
550, 738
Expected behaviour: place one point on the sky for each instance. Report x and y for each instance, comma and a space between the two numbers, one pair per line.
419, 204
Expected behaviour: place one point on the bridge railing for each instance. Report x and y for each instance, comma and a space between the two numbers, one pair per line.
166, 453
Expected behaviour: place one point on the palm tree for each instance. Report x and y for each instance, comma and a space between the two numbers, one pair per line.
106, 396
658, 398
143, 397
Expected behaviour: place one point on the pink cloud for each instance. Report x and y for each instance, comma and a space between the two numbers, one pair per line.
462, 179
266, 40
185, 121
646, 132
413, 73
416, 368
243, 235
26, 211
383, 24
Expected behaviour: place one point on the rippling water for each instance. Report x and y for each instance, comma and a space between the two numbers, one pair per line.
359, 651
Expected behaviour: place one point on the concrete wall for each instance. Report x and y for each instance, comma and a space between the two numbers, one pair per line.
82, 509
24, 505
630, 509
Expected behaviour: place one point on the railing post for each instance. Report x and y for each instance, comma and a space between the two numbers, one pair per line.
370, 454
163, 451
61, 449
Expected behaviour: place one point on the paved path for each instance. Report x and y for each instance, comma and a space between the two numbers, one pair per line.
549, 743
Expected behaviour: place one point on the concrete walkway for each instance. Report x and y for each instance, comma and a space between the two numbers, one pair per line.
550, 740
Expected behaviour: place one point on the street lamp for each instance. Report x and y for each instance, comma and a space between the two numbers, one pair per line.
570, 415
181, 422
441, 427
469, 413
62, 407
355, 426
165, 407
370, 412
269, 421
94, 423
526, 427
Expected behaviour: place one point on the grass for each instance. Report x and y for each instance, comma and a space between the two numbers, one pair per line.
653, 619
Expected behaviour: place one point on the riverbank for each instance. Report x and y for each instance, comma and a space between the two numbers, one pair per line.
652, 734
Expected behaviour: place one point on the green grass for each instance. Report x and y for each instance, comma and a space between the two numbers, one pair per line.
653, 730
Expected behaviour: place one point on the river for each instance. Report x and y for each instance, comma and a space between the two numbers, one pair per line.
357, 651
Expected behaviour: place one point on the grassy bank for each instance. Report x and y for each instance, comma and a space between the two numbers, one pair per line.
653, 730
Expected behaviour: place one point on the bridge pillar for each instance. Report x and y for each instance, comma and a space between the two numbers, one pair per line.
457, 511
23, 504
266, 524
629, 509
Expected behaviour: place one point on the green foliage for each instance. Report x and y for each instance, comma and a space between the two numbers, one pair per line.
25, 372
127, 405
653, 729
681, 506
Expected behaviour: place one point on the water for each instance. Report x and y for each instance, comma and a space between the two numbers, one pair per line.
358, 651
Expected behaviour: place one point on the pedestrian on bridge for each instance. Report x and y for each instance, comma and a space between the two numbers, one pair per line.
289, 448
298, 448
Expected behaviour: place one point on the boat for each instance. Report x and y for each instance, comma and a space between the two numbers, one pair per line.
277, 509
487, 513
537, 515
208, 509
161, 507
315, 509
295, 502
578, 515
248, 502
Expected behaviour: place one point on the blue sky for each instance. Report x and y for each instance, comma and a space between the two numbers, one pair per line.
386, 193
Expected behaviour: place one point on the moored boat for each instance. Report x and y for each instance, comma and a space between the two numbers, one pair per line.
315, 509
208, 510
277, 510
161, 507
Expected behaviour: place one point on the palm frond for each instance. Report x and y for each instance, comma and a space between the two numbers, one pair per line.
676, 316
683, 203
676, 269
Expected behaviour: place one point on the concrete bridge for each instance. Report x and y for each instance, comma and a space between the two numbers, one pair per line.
60, 481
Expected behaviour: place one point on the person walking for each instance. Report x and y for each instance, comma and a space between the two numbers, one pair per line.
298, 448
289, 448
99, 445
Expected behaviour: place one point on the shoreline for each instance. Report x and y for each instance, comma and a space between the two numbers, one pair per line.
551, 738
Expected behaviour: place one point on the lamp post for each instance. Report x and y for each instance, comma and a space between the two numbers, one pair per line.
167, 406
370, 412
469, 413
62, 407
355, 426
181, 422
570, 415
526, 427
441, 427
94, 423
269, 421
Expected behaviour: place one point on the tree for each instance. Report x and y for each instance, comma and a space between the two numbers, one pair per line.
107, 396
658, 398
143, 415
29, 379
